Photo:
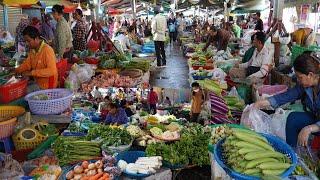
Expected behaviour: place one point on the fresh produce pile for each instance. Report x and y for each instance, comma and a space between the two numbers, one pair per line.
210, 85
46, 172
111, 61
234, 103
41, 97
72, 149
250, 153
134, 131
166, 135
144, 65
219, 133
107, 79
143, 165
109, 136
191, 149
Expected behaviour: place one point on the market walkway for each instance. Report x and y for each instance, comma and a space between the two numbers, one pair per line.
175, 75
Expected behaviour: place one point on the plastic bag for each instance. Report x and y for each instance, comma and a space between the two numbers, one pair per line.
219, 74
278, 123
72, 81
234, 92
256, 119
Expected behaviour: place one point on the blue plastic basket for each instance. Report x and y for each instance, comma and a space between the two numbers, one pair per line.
59, 101
278, 144
201, 77
131, 157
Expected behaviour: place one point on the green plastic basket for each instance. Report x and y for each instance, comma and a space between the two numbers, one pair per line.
298, 50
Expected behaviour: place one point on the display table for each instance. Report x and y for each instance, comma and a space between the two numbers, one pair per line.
163, 174
52, 119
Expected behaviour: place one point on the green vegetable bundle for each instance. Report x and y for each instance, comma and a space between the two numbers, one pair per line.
250, 153
72, 149
144, 65
192, 148
109, 136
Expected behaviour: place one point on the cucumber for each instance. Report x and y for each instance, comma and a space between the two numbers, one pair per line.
243, 144
274, 165
262, 154
244, 151
273, 172
250, 133
252, 171
253, 140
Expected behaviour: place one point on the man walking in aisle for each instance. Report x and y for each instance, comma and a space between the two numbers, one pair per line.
159, 26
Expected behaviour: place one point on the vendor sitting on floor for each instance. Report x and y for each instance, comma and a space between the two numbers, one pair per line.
301, 124
116, 115
258, 67
41, 61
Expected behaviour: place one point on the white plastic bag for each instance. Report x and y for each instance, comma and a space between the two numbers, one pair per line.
218, 74
278, 123
72, 81
256, 119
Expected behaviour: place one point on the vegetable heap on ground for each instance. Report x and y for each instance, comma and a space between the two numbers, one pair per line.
192, 149
250, 153
71, 149
109, 136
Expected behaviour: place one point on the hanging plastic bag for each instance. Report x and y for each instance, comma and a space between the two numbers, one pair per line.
278, 123
234, 92
72, 81
256, 119
218, 74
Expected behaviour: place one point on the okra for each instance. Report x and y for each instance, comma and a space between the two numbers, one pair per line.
262, 154
256, 162
252, 171
273, 172
274, 165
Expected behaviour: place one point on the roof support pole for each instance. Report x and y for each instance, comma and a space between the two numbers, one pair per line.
134, 9
5, 17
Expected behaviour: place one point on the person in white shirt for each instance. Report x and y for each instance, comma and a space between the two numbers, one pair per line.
122, 40
159, 27
260, 64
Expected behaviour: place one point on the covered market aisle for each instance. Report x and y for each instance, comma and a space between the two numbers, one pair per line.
83, 95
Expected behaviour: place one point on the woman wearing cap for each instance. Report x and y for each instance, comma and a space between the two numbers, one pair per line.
301, 124
63, 36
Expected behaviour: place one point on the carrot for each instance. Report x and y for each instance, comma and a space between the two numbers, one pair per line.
105, 177
97, 176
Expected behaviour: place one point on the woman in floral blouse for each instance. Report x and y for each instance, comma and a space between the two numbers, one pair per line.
79, 32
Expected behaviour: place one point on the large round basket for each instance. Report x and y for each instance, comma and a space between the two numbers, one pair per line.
58, 101
8, 112
278, 144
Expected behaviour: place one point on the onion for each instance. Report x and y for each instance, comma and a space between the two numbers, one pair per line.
78, 176
78, 169
86, 171
91, 166
70, 175
92, 173
85, 164
100, 170
98, 164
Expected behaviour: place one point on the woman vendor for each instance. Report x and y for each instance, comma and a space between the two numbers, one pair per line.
196, 102
301, 124
116, 115
303, 37
41, 61
135, 41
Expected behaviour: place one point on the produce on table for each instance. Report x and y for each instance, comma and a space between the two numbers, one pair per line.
72, 149
174, 126
107, 79
145, 140
109, 61
143, 113
250, 153
155, 119
143, 165
109, 136
210, 85
219, 133
46, 129
134, 131
75, 127
155, 131
192, 148
144, 65
46, 172
109, 165
234, 103
40, 97
88, 171
201, 73
44, 160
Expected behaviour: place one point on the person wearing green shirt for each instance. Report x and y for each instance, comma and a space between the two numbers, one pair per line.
248, 54
236, 30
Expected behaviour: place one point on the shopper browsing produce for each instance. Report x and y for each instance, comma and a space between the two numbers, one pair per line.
220, 38
41, 62
301, 124
197, 101
153, 101
116, 114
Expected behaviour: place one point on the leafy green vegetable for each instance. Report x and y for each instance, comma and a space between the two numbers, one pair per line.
191, 149
109, 136
47, 130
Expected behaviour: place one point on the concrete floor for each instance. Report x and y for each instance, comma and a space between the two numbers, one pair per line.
175, 75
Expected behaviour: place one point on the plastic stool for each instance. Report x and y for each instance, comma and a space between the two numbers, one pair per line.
7, 144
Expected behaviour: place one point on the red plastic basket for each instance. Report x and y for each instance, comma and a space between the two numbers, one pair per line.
204, 67
62, 71
10, 92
